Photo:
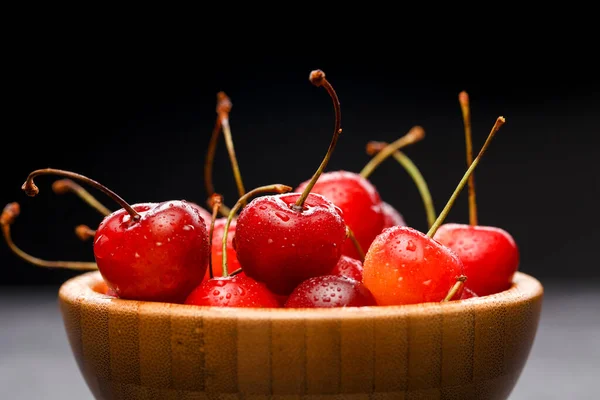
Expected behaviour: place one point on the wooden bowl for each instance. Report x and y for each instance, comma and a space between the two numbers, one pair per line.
467, 349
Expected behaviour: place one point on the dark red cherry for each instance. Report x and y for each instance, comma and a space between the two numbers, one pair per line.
360, 204
330, 291
282, 246
348, 267
232, 291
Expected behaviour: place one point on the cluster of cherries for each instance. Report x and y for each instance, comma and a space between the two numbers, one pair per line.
330, 242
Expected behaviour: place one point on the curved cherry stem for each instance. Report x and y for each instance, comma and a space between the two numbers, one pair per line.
460, 281
9, 215
63, 186
215, 201
210, 157
84, 232
440, 219
414, 173
357, 246
415, 134
276, 188
236, 272
30, 188
223, 106
463, 99
223, 110
317, 78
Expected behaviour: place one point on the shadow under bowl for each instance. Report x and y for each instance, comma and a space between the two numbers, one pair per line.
466, 349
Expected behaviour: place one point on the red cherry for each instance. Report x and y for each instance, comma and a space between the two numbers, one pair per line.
329, 291
217, 248
360, 204
62, 186
160, 257
404, 266
348, 267
391, 216
149, 251
280, 246
232, 291
489, 254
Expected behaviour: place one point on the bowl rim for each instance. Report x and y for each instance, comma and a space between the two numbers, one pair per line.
81, 290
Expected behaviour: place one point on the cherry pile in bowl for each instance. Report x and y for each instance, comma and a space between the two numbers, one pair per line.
330, 241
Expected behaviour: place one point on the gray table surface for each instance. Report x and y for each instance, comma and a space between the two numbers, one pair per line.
36, 361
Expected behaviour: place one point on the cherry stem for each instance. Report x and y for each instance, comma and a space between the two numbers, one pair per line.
277, 188
223, 106
236, 272
463, 99
215, 201
460, 281
9, 215
414, 135
317, 78
440, 219
415, 174
223, 110
63, 186
356, 244
84, 232
30, 188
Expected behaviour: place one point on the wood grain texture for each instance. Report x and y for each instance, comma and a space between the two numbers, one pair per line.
469, 349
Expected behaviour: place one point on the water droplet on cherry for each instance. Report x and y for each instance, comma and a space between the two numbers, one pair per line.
282, 216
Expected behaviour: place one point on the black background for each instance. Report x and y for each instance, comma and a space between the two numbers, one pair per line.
138, 120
